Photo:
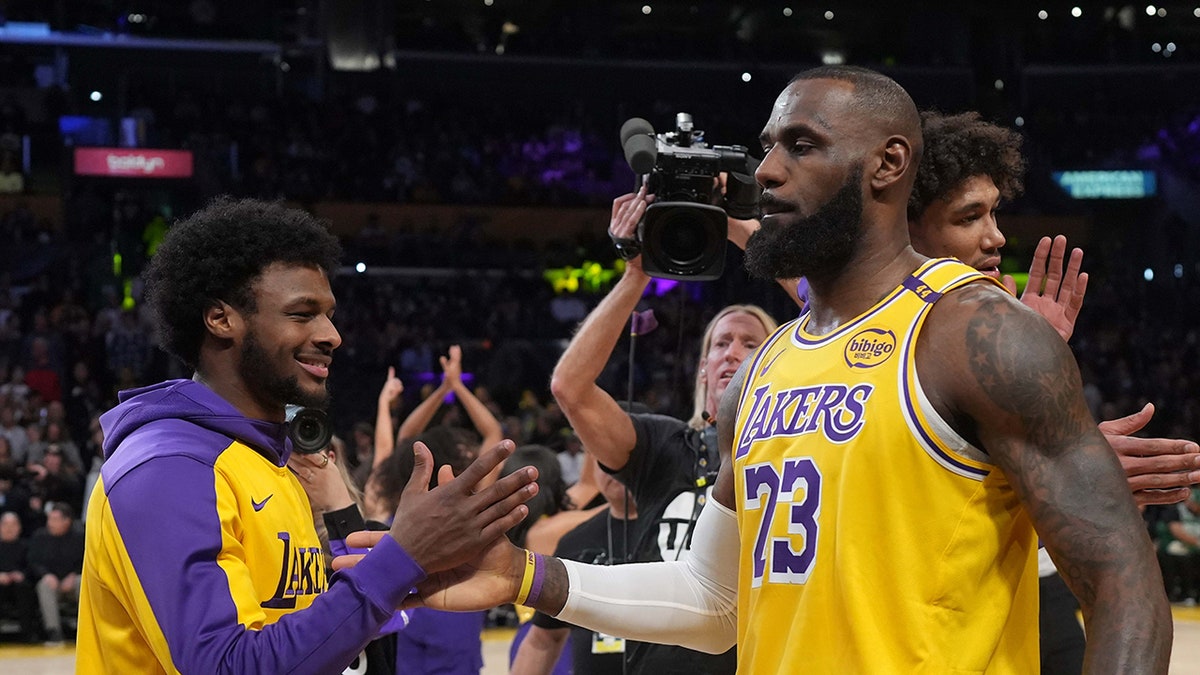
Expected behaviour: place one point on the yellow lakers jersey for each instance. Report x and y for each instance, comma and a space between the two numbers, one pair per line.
874, 539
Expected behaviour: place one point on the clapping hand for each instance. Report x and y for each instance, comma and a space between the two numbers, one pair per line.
451, 367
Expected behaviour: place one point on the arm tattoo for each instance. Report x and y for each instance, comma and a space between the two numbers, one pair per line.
1031, 382
1001, 357
1033, 421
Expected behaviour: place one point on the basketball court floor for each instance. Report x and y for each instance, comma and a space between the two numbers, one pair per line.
37, 660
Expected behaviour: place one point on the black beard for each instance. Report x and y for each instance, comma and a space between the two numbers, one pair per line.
279, 389
819, 245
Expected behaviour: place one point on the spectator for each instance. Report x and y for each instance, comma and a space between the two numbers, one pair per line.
571, 457
55, 563
128, 348
362, 451
53, 433
15, 389
83, 399
41, 374
16, 441
15, 495
452, 385
17, 598
56, 481
6, 458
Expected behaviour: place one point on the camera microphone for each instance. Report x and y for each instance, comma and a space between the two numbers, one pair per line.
634, 126
637, 140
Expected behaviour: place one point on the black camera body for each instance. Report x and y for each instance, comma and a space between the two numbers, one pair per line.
684, 231
309, 429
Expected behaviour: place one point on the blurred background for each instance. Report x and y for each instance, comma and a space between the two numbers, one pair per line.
466, 152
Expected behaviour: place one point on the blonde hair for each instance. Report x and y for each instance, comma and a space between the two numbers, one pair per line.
700, 398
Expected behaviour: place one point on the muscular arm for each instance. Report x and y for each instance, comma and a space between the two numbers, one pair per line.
723, 490
603, 428
1006, 378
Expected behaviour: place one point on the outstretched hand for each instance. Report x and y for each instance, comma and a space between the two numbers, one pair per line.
452, 523
492, 578
1061, 296
1159, 470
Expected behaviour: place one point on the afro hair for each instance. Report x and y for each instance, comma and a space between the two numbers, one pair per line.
958, 147
217, 254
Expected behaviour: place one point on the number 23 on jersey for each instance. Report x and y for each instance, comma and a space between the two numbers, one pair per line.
784, 554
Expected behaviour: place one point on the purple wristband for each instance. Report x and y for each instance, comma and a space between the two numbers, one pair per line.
539, 576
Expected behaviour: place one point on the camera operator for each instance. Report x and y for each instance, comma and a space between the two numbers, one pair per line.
664, 462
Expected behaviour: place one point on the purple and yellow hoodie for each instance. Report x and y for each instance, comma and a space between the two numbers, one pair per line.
201, 554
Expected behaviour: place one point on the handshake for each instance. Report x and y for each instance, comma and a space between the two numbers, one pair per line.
457, 536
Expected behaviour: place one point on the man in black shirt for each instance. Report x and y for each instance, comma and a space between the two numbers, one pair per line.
56, 561
17, 600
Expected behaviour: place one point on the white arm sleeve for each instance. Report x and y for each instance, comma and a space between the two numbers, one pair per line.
692, 602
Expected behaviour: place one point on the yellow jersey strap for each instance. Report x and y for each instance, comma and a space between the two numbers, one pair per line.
938, 276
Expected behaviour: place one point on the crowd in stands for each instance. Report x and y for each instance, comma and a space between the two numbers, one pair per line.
418, 147
377, 143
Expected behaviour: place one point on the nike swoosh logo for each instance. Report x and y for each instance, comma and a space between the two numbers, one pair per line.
258, 506
769, 364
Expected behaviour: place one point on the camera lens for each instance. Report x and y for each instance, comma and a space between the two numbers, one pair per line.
684, 240
309, 430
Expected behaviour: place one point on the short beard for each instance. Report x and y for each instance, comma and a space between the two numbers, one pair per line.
819, 245
256, 368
